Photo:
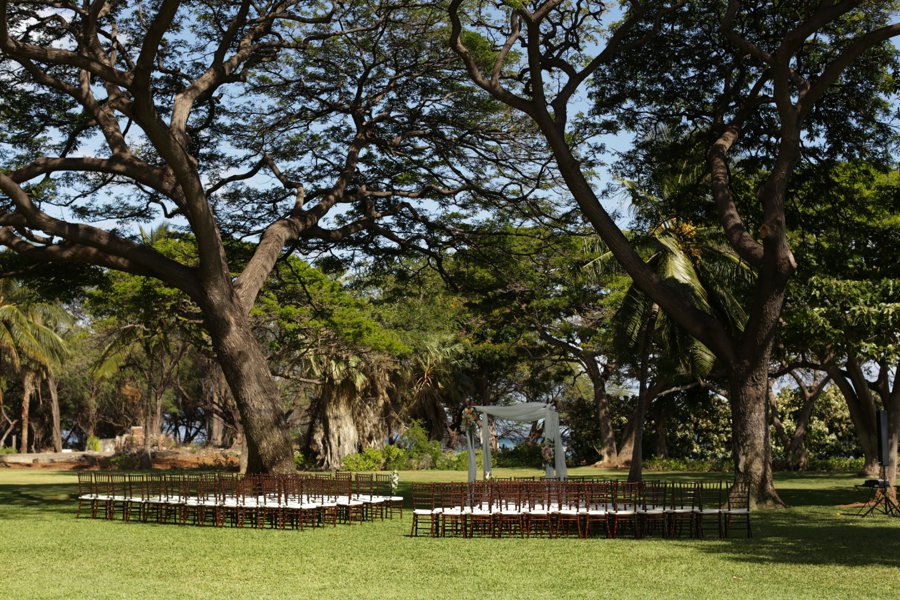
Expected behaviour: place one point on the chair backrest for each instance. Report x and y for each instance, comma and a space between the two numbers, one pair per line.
627, 495
682, 494
453, 495
507, 495
739, 495
653, 494
571, 494
85, 483
383, 484
709, 494
423, 495
599, 494
537, 495
365, 484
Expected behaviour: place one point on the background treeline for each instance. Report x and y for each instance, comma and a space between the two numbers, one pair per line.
376, 359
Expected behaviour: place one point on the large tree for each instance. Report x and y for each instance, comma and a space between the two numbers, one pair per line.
744, 73
277, 121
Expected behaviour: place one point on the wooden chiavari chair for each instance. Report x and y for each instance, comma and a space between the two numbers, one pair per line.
424, 508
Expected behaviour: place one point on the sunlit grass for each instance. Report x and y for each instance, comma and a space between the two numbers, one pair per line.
811, 550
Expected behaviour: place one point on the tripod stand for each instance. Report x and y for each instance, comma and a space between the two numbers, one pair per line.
881, 500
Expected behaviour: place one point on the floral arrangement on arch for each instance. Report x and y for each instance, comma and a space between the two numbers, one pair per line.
469, 418
548, 451
395, 482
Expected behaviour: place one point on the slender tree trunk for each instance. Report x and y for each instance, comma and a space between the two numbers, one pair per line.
862, 413
608, 453
54, 413
254, 389
636, 469
28, 382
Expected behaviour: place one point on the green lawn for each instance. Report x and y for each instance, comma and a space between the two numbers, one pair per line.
811, 550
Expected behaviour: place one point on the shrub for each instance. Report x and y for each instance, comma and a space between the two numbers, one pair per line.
423, 453
686, 464
522, 455
127, 461
370, 459
9, 450
836, 464
458, 461
92, 444
395, 458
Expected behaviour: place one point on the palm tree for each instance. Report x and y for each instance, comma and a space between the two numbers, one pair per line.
709, 275
29, 348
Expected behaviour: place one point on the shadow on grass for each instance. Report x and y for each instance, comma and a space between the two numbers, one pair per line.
812, 542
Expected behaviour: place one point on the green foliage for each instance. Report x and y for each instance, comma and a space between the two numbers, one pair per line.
520, 455
8, 450
686, 464
830, 432
836, 464
424, 453
301, 302
370, 459
92, 444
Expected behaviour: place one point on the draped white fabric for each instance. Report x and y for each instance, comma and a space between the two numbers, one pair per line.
525, 412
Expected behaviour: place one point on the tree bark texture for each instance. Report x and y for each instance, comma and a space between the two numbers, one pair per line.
661, 447
635, 470
54, 413
253, 387
608, 452
28, 384
344, 421
862, 412
751, 447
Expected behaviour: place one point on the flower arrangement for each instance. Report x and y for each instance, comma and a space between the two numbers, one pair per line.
548, 452
469, 418
395, 482
487, 475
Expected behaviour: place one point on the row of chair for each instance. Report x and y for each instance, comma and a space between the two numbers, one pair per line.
526, 507
223, 498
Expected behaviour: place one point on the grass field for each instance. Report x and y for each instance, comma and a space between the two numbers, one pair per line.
811, 550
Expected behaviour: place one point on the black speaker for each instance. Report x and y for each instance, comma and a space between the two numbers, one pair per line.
881, 426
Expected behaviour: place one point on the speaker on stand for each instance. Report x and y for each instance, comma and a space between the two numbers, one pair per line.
882, 502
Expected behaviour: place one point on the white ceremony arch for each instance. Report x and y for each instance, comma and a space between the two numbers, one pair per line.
525, 412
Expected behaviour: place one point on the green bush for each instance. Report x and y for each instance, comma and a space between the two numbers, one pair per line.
395, 458
127, 461
9, 450
370, 459
836, 464
458, 461
92, 444
522, 455
686, 464
423, 453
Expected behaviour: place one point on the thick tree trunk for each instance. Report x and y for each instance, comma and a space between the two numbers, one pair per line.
54, 413
608, 453
661, 446
751, 446
254, 389
28, 382
333, 434
626, 443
